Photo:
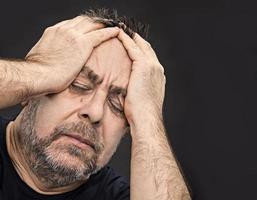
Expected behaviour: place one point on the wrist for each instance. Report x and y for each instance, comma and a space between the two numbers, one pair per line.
145, 125
29, 75
37, 78
143, 114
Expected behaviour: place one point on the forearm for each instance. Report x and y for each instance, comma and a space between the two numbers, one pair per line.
19, 80
154, 171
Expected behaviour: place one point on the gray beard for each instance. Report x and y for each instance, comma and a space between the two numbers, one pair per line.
48, 170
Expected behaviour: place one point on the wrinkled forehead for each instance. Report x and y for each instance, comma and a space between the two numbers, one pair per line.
110, 60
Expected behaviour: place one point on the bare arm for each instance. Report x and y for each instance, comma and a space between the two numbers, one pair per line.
18, 80
54, 62
154, 171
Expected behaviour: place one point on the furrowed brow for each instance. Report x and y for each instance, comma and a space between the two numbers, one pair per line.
88, 73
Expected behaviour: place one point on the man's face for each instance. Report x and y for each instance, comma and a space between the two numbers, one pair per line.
80, 127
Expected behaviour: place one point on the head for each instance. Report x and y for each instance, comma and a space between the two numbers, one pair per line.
70, 135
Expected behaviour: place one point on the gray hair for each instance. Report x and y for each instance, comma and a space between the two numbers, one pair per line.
110, 18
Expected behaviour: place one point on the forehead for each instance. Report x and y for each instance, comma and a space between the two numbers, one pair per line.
109, 63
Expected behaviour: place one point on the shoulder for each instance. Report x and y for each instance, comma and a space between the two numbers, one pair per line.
113, 177
115, 186
1, 136
3, 124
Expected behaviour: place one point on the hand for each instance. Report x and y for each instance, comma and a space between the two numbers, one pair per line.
63, 50
146, 86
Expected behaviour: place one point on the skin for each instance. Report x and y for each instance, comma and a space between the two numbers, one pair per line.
89, 106
154, 168
63, 49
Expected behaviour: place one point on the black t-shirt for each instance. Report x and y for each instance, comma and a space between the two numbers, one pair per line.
104, 185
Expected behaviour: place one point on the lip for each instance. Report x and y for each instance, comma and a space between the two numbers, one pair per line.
81, 139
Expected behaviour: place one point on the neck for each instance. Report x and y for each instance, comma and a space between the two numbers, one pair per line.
23, 169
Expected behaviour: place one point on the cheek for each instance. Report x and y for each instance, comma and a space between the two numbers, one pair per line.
113, 131
45, 120
113, 128
52, 112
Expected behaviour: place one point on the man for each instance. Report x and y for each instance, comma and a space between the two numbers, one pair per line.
84, 84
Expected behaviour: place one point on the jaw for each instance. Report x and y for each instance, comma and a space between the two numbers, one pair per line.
105, 157
69, 155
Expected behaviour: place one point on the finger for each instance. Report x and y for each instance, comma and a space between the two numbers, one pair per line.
132, 48
72, 22
61, 23
148, 50
86, 25
67, 22
145, 46
98, 36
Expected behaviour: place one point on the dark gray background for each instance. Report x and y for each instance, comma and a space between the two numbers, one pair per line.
209, 51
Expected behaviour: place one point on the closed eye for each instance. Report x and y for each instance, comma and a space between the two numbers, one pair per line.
79, 87
116, 106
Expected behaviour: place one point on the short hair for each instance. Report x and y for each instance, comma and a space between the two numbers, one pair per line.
110, 18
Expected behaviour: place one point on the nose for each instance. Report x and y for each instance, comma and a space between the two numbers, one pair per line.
93, 109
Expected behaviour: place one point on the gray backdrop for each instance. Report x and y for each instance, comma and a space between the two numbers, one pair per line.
209, 51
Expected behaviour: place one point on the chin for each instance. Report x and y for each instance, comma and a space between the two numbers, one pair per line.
69, 156
65, 160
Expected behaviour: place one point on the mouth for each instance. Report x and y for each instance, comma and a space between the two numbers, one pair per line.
80, 141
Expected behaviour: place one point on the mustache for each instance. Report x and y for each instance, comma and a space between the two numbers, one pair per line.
82, 129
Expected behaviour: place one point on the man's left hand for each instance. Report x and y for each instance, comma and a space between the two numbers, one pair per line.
146, 86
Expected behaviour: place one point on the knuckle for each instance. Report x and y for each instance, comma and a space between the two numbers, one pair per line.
66, 30
164, 80
88, 19
71, 35
68, 36
61, 29
148, 45
158, 68
161, 71
80, 17
135, 47
161, 68
49, 29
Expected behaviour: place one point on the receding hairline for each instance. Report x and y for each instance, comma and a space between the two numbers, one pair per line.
110, 18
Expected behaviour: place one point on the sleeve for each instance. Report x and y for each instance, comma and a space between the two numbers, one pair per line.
1, 165
121, 190
118, 187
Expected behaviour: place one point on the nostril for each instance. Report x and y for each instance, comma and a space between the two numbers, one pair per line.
97, 123
94, 122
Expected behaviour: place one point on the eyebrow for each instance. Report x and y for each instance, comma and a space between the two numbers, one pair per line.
88, 73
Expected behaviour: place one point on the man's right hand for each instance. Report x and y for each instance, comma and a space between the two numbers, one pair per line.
54, 62
63, 50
